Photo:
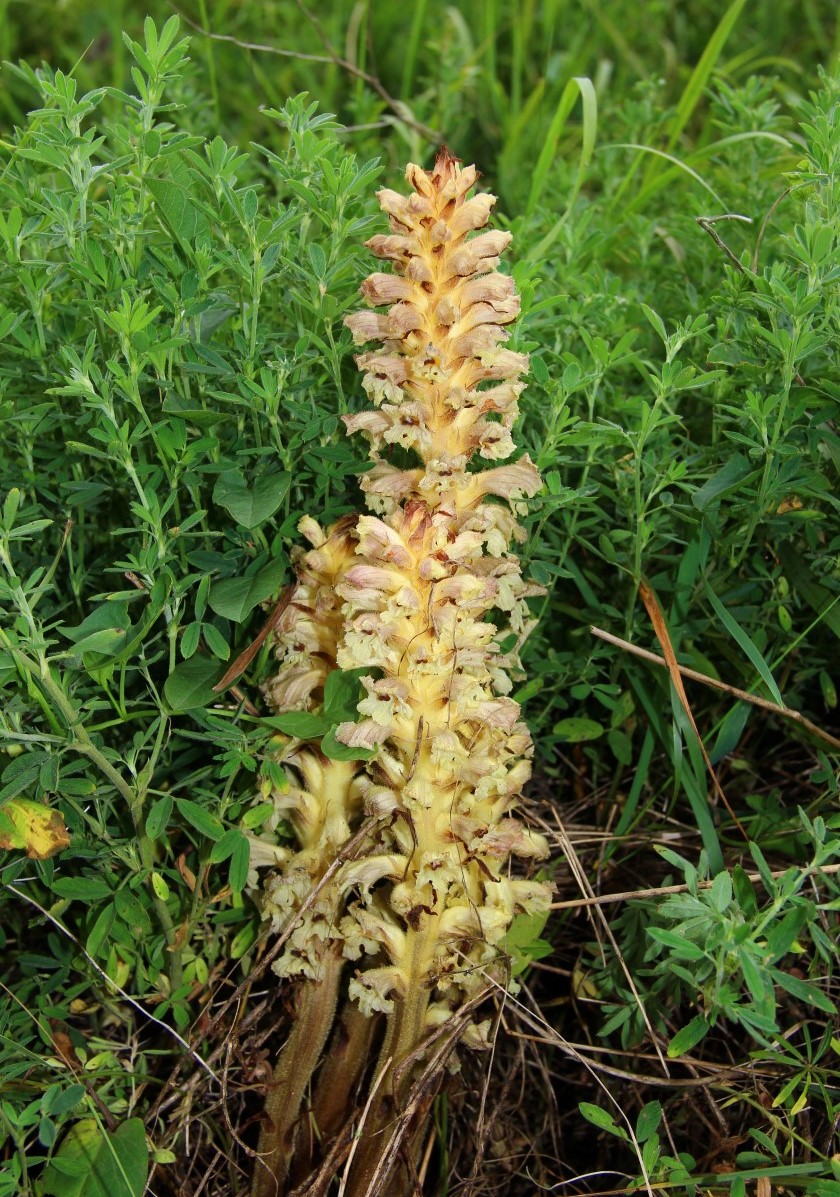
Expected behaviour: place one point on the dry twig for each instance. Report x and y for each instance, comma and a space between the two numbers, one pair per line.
743, 695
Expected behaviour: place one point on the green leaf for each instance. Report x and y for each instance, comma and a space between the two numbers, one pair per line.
47, 1132
648, 1120
101, 1164
522, 941
106, 615
252, 507
224, 847
343, 691
763, 869
82, 889
243, 940
744, 892
824, 1188
235, 598
731, 476
132, 912
577, 729
524, 930
190, 639
108, 641
688, 1037
682, 948
103, 631
601, 1119
160, 887
303, 725
757, 979
66, 1100
239, 865
336, 751
201, 819
158, 817
721, 892
621, 746
190, 684
101, 929
804, 991
781, 939
177, 210
257, 815
216, 642
656, 322
731, 730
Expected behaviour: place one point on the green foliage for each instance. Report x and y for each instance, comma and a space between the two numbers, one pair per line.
342, 694
173, 374
710, 482
719, 947
92, 1161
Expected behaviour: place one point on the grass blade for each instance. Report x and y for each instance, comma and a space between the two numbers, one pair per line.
700, 75
407, 88
695, 793
660, 154
740, 636
670, 737
694, 89
628, 811
581, 86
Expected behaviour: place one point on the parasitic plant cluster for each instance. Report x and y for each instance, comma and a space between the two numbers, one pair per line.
403, 859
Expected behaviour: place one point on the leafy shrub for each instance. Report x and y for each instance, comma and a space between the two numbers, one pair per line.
173, 374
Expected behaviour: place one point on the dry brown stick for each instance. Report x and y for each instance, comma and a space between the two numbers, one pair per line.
631, 894
247, 655
660, 627
707, 224
744, 695
720, 1075
399, 107
331, 58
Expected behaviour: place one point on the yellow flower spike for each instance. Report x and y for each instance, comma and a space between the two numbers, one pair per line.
433, 562
407, 593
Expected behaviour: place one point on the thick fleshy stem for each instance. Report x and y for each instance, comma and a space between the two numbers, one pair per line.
339, 1079
283, 1118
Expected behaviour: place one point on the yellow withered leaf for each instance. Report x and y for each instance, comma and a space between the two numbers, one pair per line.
32, 828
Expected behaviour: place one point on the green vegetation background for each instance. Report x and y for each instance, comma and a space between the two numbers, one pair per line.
178, 246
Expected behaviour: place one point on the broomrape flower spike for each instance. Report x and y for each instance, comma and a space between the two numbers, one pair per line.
406, 593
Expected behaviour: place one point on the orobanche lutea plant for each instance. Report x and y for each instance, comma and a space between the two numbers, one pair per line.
400, 892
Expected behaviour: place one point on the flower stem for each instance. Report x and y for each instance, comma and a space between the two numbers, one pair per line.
316, 1005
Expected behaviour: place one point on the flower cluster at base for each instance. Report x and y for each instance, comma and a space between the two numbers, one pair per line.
407, 593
